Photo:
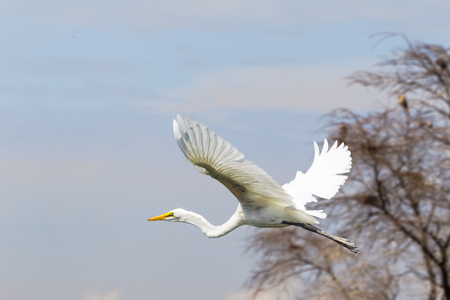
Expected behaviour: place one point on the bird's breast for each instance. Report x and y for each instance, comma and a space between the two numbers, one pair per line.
260, 216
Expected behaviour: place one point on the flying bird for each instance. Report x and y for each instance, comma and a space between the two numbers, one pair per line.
262, 201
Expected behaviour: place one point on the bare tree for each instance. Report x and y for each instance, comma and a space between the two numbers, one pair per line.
396, 202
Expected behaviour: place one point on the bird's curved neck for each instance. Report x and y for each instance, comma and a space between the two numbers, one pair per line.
212, 231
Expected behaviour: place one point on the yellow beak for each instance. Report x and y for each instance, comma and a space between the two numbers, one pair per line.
161, 217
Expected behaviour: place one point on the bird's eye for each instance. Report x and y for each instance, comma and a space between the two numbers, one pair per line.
170, 214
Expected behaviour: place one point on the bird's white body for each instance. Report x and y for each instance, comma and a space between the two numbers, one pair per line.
241, 217
263, 202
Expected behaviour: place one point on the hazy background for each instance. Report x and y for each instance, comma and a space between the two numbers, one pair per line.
88, 91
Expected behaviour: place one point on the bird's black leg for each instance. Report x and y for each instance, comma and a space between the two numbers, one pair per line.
341, 241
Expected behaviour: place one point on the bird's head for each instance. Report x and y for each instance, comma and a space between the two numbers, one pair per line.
176, 215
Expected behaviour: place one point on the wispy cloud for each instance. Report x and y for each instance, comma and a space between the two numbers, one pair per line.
112, 295
159, 14
300, 88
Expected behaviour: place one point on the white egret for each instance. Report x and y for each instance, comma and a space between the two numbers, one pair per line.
263, 203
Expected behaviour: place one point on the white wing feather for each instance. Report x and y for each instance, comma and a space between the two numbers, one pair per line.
323, 178
213, 156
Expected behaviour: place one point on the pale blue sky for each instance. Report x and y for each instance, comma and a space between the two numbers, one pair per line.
88, 91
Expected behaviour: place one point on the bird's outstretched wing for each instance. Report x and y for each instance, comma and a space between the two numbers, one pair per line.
213, 156
323, 178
